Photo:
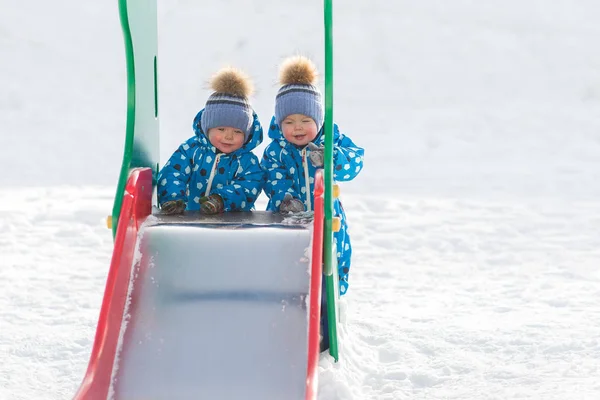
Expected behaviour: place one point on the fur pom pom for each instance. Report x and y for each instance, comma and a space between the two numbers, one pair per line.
232, 81
298, 70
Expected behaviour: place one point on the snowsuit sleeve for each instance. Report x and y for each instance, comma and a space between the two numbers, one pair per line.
279, 179
175, 175
347, 157
245, 187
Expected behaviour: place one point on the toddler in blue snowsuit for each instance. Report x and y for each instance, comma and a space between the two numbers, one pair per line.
296, 151
215, 170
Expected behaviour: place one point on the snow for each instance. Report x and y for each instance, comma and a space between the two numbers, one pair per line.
475, 223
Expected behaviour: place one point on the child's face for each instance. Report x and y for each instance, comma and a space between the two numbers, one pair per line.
299, 129
226, 138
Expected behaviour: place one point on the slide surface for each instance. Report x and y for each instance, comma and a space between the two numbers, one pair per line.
207, 307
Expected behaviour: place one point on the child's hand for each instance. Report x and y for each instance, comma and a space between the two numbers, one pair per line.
290, 204
173, 207
211, 205
316, 154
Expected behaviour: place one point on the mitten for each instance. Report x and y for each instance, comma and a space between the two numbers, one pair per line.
212, 204
173, 207
290, 204
316, 154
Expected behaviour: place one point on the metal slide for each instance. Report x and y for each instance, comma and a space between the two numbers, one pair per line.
200, 307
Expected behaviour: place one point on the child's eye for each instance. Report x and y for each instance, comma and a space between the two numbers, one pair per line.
306, 121
238, 131
221, 129
288, 122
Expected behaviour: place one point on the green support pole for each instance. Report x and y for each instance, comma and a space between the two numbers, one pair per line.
127, 153
330, 261
141, 150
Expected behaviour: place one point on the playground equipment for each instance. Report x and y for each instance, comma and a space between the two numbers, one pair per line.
183, 316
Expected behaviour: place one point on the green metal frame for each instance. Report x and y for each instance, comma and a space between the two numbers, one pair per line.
331, 286
129, 136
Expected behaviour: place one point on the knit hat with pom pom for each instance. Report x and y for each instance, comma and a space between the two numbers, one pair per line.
299, 93
228, 105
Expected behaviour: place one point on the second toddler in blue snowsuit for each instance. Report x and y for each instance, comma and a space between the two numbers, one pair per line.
296, 152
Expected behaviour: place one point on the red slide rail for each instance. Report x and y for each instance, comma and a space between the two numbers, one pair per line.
136, 206
316, 276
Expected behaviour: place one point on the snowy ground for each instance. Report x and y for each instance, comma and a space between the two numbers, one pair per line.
467, 299
476, 222
450, 298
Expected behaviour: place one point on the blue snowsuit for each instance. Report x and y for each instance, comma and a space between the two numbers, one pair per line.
290, 171
198, 169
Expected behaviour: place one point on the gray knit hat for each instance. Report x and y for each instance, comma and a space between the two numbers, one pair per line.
229, 105
298, 93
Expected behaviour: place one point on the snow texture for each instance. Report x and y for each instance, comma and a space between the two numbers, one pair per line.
475, 223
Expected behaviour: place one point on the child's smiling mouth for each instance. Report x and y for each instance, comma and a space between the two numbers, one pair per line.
226, 145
